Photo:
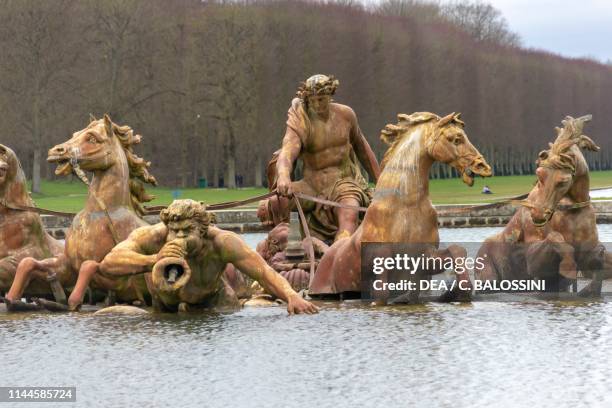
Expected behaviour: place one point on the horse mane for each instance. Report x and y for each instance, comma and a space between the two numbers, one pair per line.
558, 156
14, 191
139, 168
393, 134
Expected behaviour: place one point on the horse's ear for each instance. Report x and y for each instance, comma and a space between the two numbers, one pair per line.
390, 133
108, 125
2, 148
446, 120
92, 118
457, 119
586, 142
415, 118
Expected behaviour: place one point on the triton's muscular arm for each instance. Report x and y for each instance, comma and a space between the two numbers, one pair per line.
362, 148
138, 253
235, 251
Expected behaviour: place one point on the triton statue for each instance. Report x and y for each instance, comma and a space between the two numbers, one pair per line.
188, 255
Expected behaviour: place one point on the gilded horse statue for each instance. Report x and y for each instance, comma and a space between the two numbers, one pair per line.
553, 235
112, 210
401, 211
22, 233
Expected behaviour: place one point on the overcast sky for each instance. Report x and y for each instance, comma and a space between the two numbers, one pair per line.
575, 28
571, 28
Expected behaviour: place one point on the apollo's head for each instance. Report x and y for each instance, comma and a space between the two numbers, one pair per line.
316, 92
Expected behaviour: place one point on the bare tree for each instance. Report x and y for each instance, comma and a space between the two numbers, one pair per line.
38, 45
423, 10
127, 37
158, 64
229, 89
482, 21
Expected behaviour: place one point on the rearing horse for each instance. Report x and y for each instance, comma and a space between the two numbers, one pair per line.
553, 235
113, 208
22, 233
401, 211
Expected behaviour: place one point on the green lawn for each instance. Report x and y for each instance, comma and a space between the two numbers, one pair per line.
70, 196
454, 191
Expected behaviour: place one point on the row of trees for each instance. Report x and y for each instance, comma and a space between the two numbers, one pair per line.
208, 84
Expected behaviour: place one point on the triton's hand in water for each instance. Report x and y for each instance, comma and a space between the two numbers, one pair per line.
297, 305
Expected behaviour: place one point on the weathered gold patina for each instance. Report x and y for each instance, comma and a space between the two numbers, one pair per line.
273, 251
110, 214
553, 235
22, 234
189, 256
326, 136
401, 210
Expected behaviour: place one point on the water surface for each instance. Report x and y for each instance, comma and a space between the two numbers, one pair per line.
486, 354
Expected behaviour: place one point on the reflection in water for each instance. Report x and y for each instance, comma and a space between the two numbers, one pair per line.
540, 354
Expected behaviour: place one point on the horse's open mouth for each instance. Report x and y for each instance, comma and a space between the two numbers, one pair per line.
477, 168
63, 168
468, 177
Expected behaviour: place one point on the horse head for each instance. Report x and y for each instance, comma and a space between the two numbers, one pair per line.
13, 186
93, 148
99, 147
445, 141
4, 164
559, 167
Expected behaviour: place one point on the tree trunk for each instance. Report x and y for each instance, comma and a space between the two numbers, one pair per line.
37, 147
258, 172
184, 127
231, 170
230, 155
36, 170
215, 174
183, 158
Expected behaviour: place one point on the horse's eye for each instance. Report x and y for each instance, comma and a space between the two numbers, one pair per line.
92, 139
457, 140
